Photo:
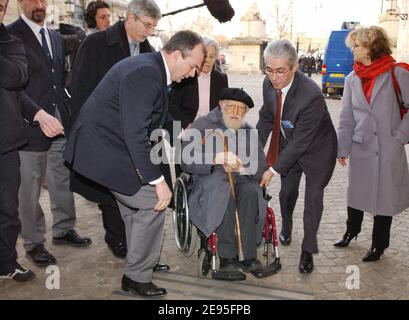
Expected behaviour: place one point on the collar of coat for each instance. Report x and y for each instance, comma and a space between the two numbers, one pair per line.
117, 34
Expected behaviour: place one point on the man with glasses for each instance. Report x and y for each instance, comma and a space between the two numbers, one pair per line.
212, 205
110, 144
303, 140
97, 54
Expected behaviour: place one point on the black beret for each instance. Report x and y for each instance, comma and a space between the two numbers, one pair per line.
237, 94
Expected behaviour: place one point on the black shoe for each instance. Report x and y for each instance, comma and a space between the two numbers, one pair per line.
249, 265
40, 256
373, 254
119, 250
228, 270
161, 268
285, 241
72, 238
346, 239
19, 274
143, 289
306, 262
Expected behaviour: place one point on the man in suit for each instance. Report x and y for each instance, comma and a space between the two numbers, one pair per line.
13, 75
97, 54
303, 141
110, 144
42, 156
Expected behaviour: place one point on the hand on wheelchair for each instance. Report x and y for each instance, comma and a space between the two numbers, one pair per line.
266, 178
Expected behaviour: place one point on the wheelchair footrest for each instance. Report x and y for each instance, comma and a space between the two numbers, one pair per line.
228, 275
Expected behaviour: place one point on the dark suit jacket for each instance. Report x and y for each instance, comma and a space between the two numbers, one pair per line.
109, 142
96, 55
184, 97
45, 86
13, 75
312, 141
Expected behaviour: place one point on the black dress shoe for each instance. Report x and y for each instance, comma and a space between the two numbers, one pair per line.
119, 250
373, 254
285, 241
228, 270
161, 268
249, 265
306, 262
72, 238
346, 239
40, 256
140, 288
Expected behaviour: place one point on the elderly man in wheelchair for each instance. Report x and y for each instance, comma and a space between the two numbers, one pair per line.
226, 164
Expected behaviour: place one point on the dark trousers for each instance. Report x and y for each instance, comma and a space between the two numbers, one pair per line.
381, 227
113, 224
247, 202
9, 221
313, 202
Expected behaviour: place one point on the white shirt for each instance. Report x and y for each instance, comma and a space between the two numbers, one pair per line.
168, 83
284, 92
36, 30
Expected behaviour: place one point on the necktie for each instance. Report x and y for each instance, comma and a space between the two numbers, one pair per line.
44, 44
134, 48
273, 149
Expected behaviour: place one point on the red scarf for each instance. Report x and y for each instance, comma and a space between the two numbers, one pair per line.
368, 74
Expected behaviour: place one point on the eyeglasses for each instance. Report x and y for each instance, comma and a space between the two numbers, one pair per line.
148, 26
232, 107
280, 73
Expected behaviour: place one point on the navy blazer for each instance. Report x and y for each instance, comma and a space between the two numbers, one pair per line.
184, 97
109, 142
45, 86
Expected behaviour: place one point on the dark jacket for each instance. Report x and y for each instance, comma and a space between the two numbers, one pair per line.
310, 139
45, 86
96, 55
13, 75
109, 142
184, 98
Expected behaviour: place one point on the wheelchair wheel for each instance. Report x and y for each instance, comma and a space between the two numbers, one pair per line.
185, 232
204, 265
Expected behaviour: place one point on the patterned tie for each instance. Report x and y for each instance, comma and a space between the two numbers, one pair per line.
134, 48
273, 149
44, 44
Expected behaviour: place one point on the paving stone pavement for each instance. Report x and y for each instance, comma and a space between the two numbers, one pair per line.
93, 273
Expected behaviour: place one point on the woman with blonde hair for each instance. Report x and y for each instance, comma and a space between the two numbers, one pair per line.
371, 137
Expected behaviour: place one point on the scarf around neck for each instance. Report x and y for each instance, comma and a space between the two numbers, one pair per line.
368, 74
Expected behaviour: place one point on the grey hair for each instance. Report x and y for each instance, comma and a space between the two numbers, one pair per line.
281, 49
147, 8
209, 41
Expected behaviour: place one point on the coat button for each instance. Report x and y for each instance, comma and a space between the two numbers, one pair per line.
377, 153
55, 88
375, 133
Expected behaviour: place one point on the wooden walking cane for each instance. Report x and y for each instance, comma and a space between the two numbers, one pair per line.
233, 191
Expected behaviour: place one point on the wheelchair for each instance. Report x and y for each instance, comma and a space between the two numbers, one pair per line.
188, 237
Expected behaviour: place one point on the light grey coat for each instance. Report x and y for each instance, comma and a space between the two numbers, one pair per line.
373, 137
210, 193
